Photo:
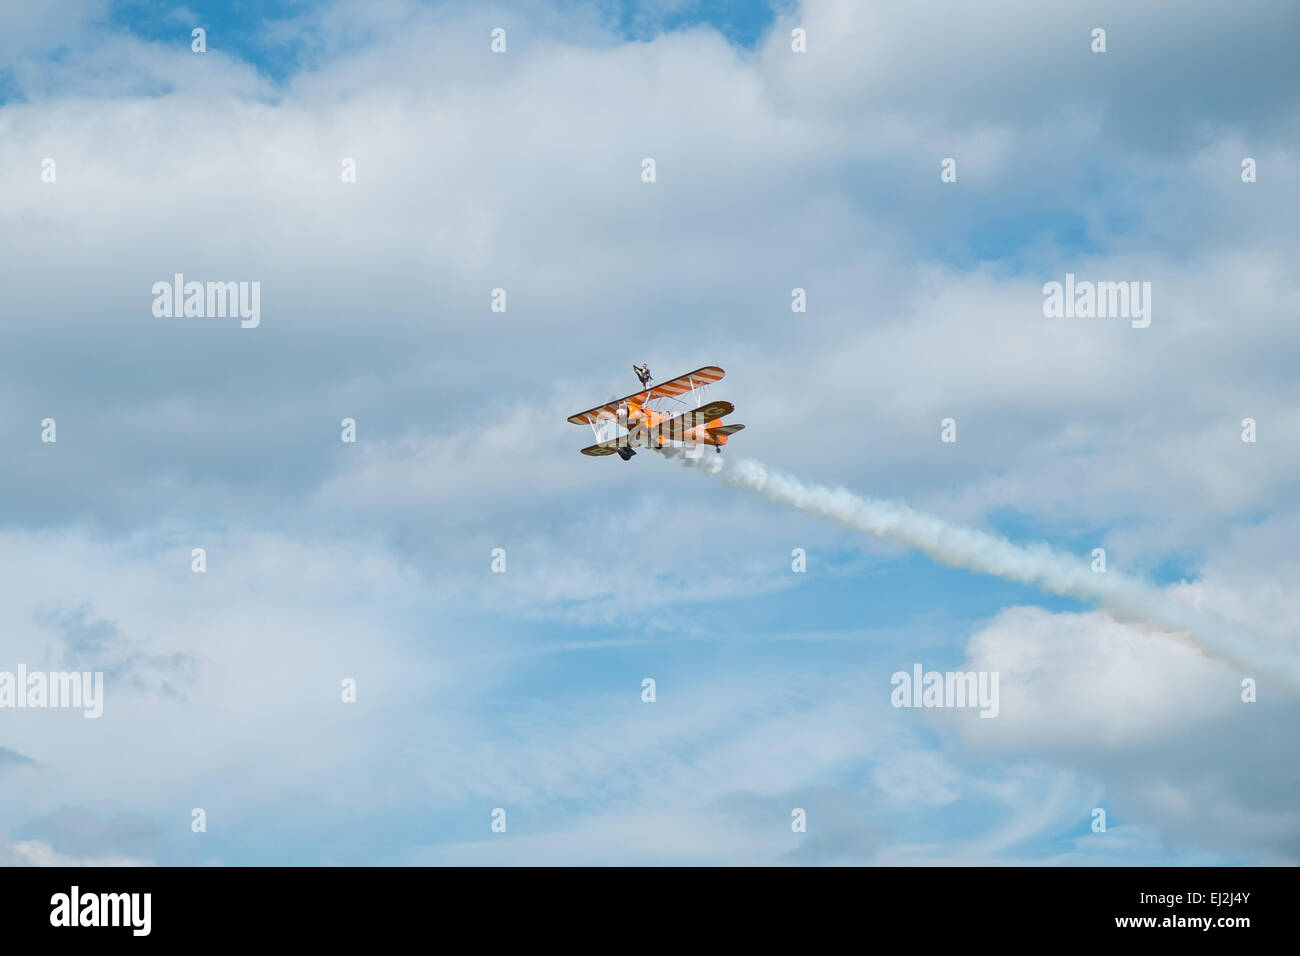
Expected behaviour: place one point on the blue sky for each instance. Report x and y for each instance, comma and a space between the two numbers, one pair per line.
776, 170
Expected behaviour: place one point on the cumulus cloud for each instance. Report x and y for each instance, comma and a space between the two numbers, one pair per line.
39, 853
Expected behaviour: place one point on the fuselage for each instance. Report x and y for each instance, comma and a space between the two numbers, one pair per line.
661, 429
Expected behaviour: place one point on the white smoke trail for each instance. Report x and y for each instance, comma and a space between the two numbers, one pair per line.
1126, 598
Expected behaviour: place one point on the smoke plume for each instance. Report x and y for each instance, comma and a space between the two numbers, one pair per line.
1125, 598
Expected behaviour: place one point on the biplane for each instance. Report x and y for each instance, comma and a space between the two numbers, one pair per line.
646, 419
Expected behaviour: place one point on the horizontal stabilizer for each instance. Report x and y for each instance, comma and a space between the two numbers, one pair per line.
725, 430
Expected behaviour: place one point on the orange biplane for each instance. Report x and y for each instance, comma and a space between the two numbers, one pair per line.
644, 420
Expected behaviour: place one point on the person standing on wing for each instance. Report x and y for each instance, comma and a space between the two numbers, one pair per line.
643, 373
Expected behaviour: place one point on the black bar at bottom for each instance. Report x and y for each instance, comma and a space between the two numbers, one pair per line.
617, 907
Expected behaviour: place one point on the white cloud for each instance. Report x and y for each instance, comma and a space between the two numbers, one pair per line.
38, 853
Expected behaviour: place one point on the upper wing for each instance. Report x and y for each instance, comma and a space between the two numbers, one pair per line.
683, 383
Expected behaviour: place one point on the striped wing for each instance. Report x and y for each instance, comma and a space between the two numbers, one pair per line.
677, 386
